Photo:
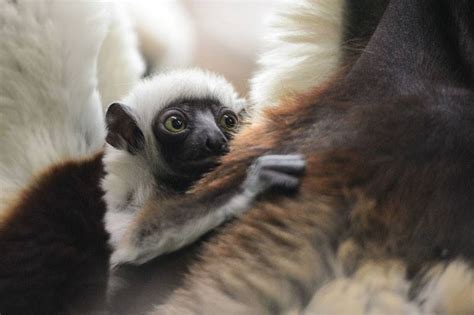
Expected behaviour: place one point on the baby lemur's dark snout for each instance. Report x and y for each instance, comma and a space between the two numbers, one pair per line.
216, 143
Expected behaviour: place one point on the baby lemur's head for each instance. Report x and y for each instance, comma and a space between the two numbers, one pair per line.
166, 134
176, 125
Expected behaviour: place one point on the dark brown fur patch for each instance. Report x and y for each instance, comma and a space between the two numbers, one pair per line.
54, 252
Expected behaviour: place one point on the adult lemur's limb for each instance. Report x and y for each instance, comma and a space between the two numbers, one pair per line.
165, 227
54, 254
49, 105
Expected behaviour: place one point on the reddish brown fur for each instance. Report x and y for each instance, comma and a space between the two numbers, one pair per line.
272, 251
54, 247
392, 173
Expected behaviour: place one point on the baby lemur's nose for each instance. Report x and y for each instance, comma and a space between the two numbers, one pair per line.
216, 143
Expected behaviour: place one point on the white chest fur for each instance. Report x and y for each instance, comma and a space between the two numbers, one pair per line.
127, 186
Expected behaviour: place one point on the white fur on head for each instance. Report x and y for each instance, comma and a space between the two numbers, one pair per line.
129, 180
303, 49
49, 105
148, 98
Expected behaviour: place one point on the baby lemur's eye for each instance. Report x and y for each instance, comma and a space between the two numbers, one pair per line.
175, 123
228, 121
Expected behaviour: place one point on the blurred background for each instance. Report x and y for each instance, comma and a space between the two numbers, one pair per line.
224, 36
229, 35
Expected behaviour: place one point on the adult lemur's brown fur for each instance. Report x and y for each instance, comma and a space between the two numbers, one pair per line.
54, 245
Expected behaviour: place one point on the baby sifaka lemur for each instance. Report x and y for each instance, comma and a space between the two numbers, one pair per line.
169, 132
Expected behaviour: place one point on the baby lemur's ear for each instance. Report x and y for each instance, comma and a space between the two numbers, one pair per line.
242, 108
123, 132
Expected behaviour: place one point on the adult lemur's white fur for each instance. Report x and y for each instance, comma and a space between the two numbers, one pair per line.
162, 30
49, 104
120, 64
303, 48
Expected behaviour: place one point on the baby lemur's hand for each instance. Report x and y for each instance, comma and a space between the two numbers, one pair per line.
271, 172
163, 228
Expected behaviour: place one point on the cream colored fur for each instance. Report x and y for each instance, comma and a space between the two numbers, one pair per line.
49, 105
378, 287
161, 31
165, 33
381, 287
120, 64
303, 49
448, 289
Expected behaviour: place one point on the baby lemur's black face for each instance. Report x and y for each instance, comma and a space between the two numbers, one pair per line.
193, 134
190, 134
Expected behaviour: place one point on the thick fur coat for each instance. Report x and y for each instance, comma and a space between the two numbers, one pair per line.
53, 244
303, 48
50, 109
382, 223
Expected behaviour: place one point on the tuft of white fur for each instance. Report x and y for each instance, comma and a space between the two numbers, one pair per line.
381, 287
448, 289
49, 106
376, 288
120, 64
130, 178
128, 184
165, 32
303, 49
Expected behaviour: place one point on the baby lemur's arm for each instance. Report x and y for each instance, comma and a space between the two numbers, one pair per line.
163, 227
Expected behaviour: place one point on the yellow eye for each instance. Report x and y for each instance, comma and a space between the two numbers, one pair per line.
229, 121
175, 124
